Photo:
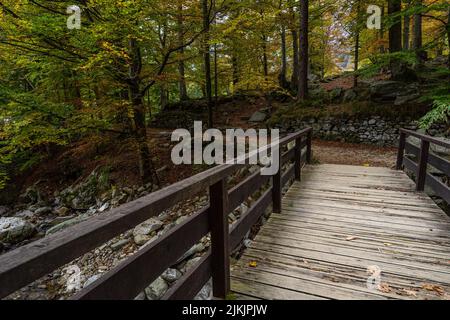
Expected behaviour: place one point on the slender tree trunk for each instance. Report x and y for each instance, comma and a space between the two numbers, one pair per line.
406, 32
265, 60
418, 37
207, 58
355, 78
181, 66
147, 172
395, 31
294, 78
235, 63
164, 98
304, 54
357, 38
283, 78
382, 49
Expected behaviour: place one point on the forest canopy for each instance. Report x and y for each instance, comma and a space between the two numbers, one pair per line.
130, 59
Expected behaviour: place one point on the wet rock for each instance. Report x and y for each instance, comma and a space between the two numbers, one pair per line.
197, 248
140, 296
157, 289
43, 210
3, 211
62, 211
91, 280
171, 275
14, 230
258, 116
205, 293
120, 244
66, 224
25, 214
143, 232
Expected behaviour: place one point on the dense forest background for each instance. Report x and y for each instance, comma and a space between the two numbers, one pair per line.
132, 59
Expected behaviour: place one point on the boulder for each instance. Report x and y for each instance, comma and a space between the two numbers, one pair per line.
350, 95
401, 100
258, 116
43, 210
14, 230
66, 224
385, 91
157, 289
171, 275
91, 280
205, 293
143, 232
3, 211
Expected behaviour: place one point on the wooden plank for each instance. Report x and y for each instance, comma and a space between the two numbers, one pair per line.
268, 292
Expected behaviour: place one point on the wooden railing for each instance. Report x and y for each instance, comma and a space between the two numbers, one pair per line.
424, 158
30, 262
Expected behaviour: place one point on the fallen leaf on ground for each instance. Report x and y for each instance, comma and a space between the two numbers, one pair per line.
350, 238
388, 244
384, 287
253, 264
432, 287
410, 292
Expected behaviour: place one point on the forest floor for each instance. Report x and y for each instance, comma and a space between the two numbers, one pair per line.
333, 152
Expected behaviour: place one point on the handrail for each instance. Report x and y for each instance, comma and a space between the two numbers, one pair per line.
425, 159
32, 261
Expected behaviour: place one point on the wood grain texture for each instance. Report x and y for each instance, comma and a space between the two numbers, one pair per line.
337, 222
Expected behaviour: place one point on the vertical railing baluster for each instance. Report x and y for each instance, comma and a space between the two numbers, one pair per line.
423, 164
277, 187
298, 159
220, 242
401, 150
309, 147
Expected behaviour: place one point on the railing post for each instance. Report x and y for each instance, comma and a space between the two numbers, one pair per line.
309, 147
298, 159
220, 242
277, 188
401, 150
423, 164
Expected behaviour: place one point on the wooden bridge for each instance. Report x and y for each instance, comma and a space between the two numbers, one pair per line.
340, 232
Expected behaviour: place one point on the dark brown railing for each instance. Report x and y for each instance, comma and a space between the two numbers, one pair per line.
424, 159
32, 261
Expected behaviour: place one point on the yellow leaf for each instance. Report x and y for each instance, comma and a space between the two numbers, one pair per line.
253, 264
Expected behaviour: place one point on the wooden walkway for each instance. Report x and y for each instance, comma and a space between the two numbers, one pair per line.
337, 224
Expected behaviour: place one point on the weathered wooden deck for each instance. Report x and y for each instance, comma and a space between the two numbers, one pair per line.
340, 221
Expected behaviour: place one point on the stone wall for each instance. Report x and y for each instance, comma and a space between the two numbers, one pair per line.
371, 130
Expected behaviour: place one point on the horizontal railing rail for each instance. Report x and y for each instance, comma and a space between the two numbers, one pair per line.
28, 263
424, 158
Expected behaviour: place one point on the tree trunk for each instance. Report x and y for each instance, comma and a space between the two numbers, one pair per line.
418, 38
357, 38
282, 77
406, 32
304, 47
395, 31
355, 78
294, 78
265, 60
147, 172
207, 58
382, 49
181, 66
